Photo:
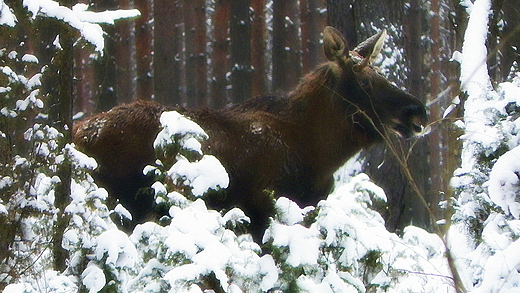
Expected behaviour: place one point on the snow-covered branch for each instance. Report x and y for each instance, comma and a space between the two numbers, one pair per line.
86, 22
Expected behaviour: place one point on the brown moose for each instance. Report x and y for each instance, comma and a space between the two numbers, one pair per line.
290, 145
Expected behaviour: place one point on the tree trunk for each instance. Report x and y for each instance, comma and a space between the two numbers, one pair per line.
436, 137
195, 44
510, 38
58, 85
287, 48
143, 43
220, 63
105, 66
341, 15
492, 41
258, 47
83, 91
240, 36
313, 22
124, 55
168, 52
201, 50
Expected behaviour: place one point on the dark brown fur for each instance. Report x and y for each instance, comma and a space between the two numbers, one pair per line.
290, 145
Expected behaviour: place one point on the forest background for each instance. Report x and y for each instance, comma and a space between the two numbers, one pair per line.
215, 53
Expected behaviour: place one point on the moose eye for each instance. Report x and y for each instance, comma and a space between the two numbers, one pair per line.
365, 84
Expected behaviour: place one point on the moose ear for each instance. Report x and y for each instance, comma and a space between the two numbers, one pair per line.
371, 47
334, 44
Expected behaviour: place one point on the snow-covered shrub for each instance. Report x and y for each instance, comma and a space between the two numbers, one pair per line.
485, 226
484, 233
31, 152
26, 166
348, 249
196, 250
180, 139
339, 246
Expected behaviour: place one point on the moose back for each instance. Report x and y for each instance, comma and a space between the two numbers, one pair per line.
290, 145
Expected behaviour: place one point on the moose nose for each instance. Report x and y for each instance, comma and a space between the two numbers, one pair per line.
416, 119
416, 123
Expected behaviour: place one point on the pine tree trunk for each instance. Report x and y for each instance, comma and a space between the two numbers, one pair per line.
168, 52
220, 63
124, 57
143, 43
105, 67
258, 47
240, 36
287, 48
84, 90
510, 39
201, 51
340, 14
313, 22
59, 87
436, 137
195, 36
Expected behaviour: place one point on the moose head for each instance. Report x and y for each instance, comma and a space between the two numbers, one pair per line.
362, 86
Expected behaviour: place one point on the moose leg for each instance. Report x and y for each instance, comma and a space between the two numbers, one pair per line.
258, 205
133, 192
259, 221
259, 208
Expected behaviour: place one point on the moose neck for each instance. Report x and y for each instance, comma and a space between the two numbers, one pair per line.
325, 125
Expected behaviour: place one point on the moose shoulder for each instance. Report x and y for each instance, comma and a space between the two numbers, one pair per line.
291, 145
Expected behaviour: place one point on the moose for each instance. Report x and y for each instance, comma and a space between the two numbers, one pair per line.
286, 145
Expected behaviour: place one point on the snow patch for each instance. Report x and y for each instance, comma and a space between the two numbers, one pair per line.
504, 182
6, 15
174, 125
117, 248
474, 74
208, 173
93, 278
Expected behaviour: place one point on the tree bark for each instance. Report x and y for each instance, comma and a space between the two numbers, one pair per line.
510, 38
287, 49
195, 44
125, 58
436, 137
220, 63
258, 48
201, 50
340, 14
84, 89
240, 36
313, 22
143, 43
168, 52
58, 85
105, 66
